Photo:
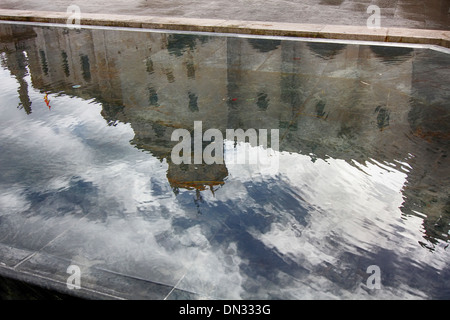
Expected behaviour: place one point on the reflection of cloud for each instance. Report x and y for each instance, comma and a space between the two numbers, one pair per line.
73, 140
250, 161
12, 201
216, 273
136, 235
356, 209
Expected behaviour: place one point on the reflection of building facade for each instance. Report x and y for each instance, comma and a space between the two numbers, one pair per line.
328, 100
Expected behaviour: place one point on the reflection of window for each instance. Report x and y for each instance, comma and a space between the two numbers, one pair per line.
65, 63
325, 51
149, 65
190, 69
382, 117
263, 101
331, 2
159, 130
152, 97
320, 110
43, 62
85, 67
264, 45
169, 75
177, 44
193, 106
392, 55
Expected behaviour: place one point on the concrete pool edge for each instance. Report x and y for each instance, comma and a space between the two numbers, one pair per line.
46, 277
341, 32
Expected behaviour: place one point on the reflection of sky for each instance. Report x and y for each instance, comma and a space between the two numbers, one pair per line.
73, 187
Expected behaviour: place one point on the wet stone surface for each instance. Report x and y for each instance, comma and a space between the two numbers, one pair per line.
413, 14
88, 178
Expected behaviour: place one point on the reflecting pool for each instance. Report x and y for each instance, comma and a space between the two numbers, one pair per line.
357, 206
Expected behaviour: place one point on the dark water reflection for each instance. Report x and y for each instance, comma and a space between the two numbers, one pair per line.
362, 180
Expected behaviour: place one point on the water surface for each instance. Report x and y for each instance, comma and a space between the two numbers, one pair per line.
86, 175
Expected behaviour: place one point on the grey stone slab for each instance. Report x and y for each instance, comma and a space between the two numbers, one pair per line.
115, 246
94, 282
338, 12
31, 233
10, 256
177, 294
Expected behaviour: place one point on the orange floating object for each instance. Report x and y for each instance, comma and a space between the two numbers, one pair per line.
47, 102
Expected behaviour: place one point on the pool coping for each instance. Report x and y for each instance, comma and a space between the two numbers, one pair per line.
263, 28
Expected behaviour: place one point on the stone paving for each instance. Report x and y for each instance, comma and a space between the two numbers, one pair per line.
407, 21
414, 14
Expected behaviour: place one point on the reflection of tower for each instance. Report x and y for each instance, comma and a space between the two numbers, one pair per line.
253, 84
198, 177
181, 80
17, 63
15, 42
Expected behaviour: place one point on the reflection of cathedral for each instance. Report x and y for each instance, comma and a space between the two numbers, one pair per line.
355, 103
